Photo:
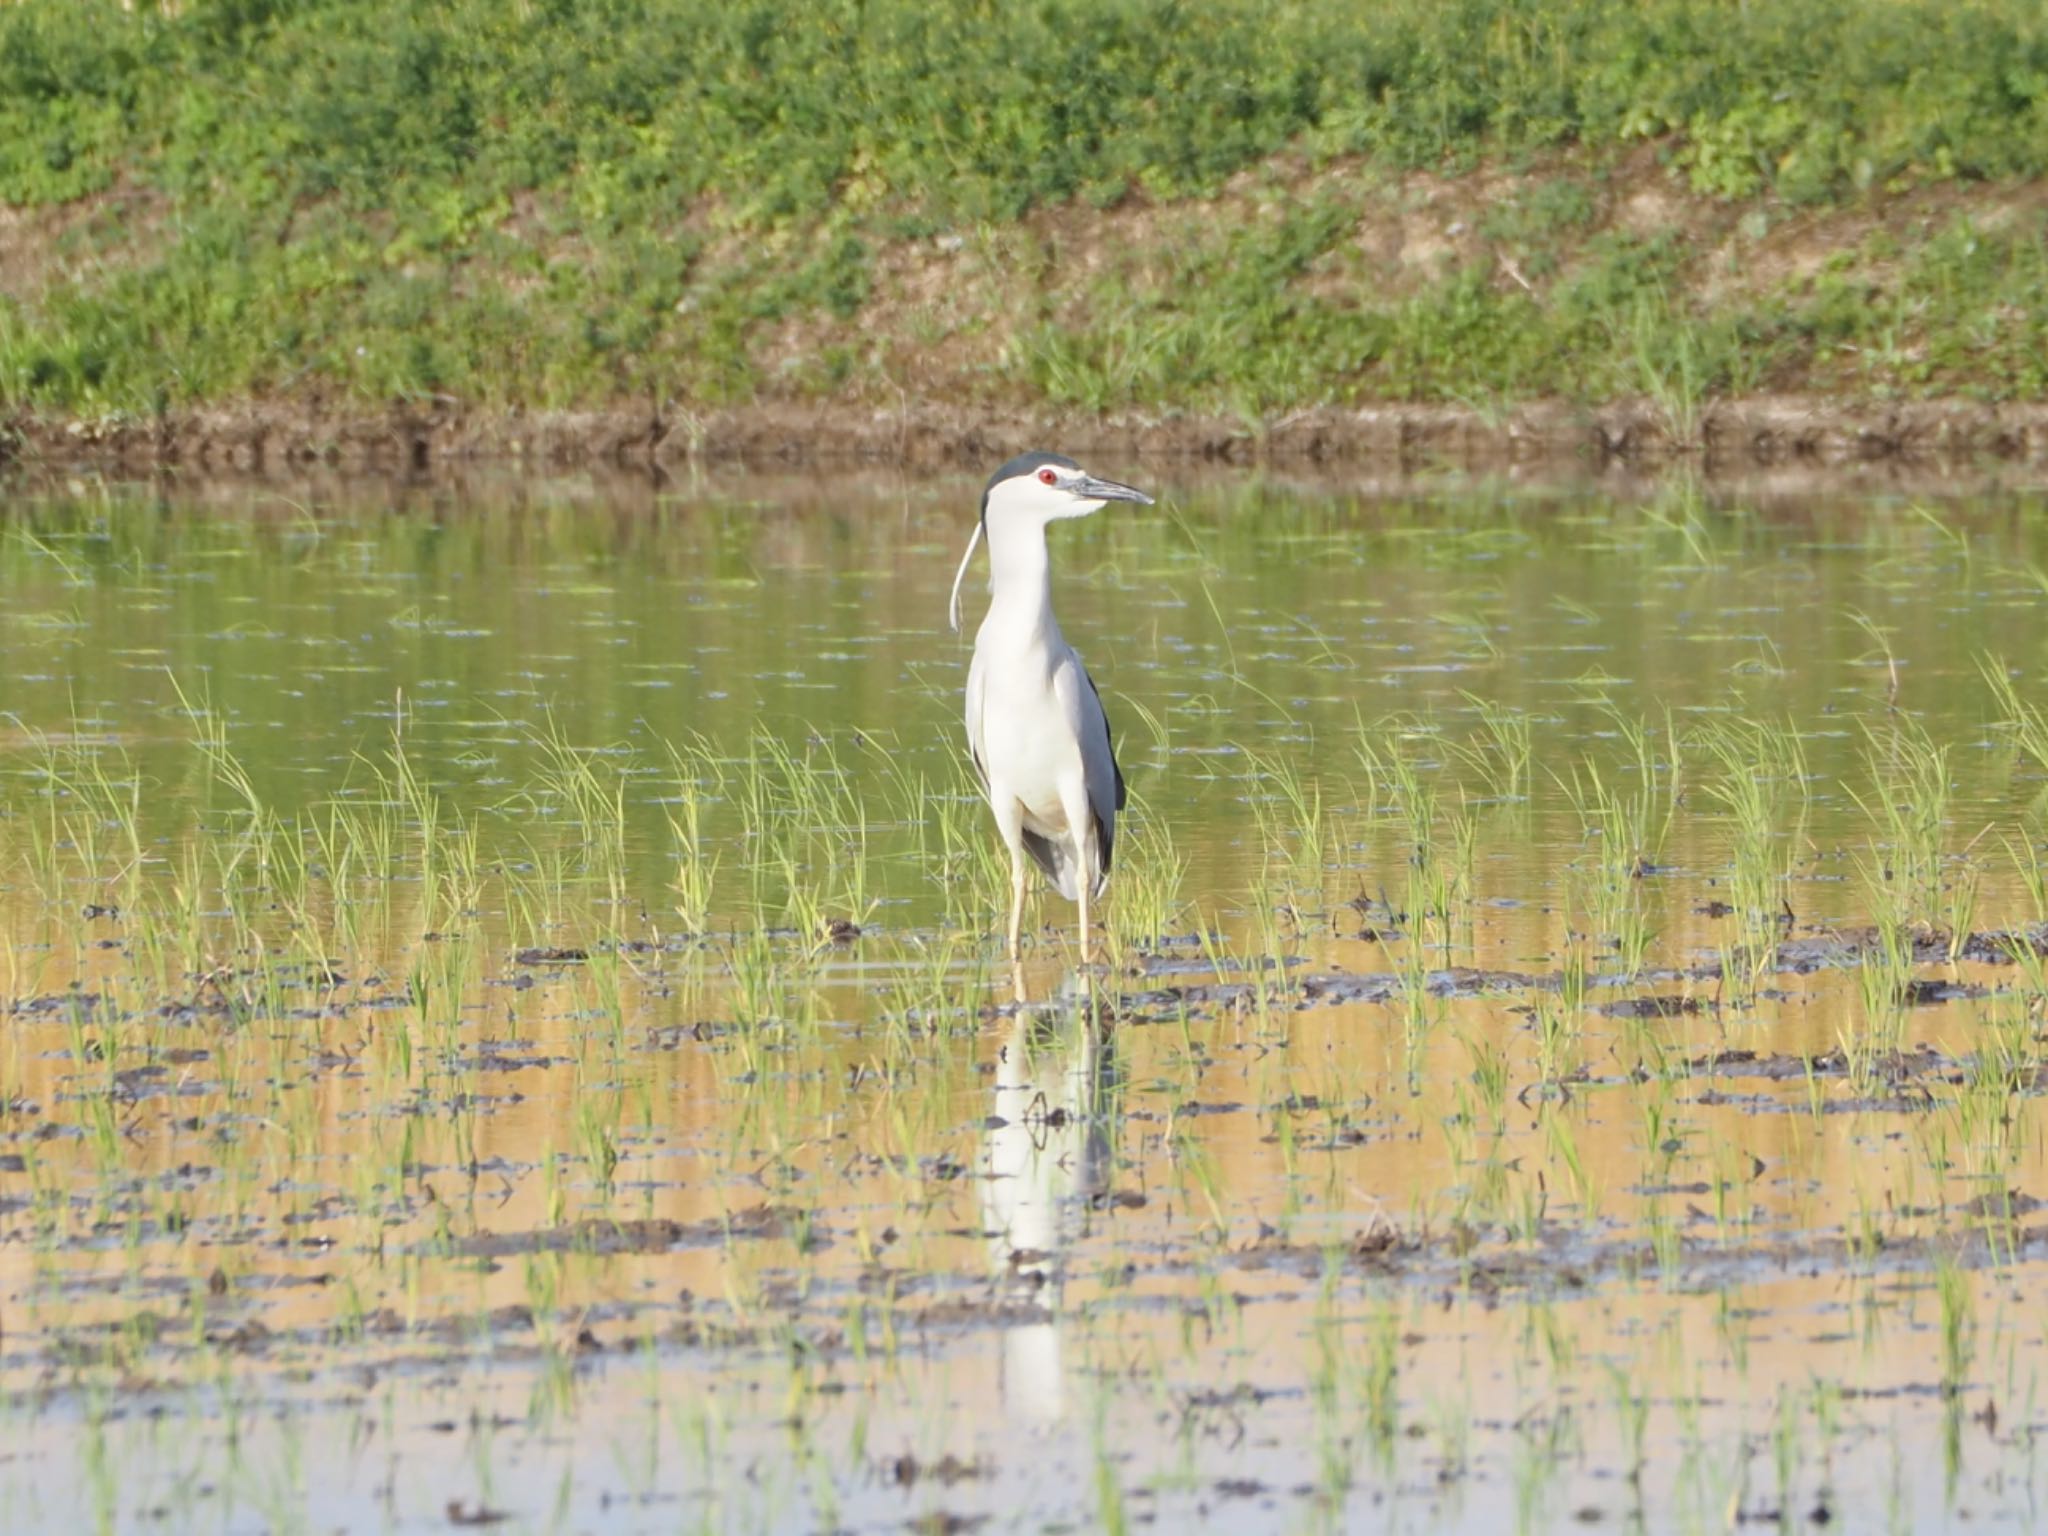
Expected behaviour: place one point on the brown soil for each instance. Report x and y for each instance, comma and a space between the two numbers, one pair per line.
1735, 437
1824, 951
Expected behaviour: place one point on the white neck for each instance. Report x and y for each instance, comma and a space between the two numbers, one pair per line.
1019, 579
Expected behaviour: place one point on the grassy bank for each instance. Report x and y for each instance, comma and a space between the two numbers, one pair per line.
1093, 204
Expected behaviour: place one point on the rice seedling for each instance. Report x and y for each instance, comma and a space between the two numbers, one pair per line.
1761, 786
1501, 751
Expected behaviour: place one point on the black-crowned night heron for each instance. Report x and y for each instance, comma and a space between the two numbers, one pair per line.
1034, 720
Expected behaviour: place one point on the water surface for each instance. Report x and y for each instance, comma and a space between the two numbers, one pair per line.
504, 980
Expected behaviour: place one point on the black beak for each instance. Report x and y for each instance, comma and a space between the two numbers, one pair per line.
1110, 490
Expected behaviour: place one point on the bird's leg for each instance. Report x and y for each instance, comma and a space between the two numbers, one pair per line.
1017, 878
1010, 822
1016, 904
1087, 946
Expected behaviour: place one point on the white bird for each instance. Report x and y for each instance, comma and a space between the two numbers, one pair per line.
1034, 720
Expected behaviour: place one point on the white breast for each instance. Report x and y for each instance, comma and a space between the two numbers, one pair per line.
1028, 744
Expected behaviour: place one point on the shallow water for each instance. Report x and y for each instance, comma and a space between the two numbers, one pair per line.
502, 981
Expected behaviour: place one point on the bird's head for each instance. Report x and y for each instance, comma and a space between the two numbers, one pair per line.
1044, 487
1032, 490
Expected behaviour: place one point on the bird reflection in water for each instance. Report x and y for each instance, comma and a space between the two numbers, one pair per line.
1047, 1169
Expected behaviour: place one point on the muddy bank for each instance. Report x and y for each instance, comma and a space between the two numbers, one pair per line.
1732, 437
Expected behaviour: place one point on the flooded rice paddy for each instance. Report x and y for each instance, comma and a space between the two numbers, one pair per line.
502, 1021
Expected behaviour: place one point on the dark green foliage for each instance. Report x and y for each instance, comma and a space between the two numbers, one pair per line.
512, 200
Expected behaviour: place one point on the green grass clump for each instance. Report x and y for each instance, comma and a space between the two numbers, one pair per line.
550, 204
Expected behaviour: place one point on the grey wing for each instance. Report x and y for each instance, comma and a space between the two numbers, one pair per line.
977, 688
1105, 780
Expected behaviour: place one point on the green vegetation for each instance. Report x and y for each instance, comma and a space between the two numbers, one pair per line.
546, 204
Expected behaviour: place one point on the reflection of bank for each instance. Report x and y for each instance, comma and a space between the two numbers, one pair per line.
1048, 1156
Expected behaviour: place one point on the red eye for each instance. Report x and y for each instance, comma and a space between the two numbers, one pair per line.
1047, 477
